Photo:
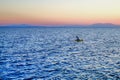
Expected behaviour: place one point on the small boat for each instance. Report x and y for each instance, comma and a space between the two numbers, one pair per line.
78, 40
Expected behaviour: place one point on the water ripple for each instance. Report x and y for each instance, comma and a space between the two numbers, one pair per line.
52, 54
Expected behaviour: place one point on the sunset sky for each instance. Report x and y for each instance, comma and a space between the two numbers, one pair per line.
59, 12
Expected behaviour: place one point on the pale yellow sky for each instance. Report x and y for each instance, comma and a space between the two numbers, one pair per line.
59, 11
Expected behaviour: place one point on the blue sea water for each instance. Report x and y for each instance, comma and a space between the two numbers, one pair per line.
53, 54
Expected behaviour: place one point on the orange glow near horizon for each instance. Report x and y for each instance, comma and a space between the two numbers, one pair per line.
59, 12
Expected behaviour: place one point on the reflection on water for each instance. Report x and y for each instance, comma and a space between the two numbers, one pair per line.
52, 54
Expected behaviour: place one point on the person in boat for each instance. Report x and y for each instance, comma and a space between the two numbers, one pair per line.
78, 40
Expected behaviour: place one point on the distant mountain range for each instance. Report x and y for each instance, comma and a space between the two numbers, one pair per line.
103, 25
97, 25
18, 26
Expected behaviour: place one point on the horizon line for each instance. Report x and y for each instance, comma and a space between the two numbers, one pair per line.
58, 24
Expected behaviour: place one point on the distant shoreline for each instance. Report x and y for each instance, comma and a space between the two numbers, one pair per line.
97, 25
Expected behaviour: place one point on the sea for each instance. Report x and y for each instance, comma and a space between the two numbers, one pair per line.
52, 53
